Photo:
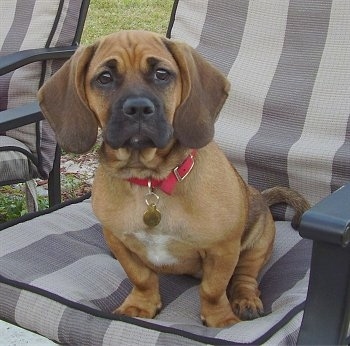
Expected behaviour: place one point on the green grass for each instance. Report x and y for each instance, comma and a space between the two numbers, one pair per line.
107, 16
13, 202
104, 17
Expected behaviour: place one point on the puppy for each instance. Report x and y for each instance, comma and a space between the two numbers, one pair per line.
168, 199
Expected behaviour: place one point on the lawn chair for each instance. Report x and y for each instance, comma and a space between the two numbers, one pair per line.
286, 122
35, 39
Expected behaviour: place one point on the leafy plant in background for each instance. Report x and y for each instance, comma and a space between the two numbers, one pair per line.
13, 203
11, 206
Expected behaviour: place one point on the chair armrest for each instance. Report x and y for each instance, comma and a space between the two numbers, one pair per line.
28, 113
20, 116
327, 309
16, 60
329, 220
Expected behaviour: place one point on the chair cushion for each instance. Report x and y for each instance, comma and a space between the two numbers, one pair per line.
58, 278
287, 119
17, 162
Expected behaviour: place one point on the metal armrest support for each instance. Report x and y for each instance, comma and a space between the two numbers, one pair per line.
27, 114
20, 116
327, 310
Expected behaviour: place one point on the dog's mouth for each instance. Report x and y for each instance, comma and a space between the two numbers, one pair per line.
140, 142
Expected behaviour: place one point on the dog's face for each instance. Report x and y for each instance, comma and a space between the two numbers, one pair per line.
143, 90
134, 95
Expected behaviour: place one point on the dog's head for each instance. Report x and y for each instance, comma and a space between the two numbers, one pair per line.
142, 89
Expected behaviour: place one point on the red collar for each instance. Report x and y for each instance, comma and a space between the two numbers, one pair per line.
168, 184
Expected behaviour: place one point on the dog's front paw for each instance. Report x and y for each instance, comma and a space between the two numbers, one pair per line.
219, 321
137, 305
248, 308
137, 310
218, 314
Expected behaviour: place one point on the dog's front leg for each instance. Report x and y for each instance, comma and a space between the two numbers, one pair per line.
218, 266
144, 299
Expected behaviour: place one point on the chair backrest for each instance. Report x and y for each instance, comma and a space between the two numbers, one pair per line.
286, 121
28, 25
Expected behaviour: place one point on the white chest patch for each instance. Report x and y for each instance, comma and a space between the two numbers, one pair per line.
156, 246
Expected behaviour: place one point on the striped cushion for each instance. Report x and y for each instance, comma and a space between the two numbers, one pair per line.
16, 161
286, 121
58, 278
27, 25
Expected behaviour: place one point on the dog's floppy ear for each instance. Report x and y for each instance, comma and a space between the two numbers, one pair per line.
204, 91
63, 102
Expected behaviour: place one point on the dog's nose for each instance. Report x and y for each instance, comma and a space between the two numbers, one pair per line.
138, 107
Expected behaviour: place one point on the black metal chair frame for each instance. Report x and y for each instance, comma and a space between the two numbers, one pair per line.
327, 309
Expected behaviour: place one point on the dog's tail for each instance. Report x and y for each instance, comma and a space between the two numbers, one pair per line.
280, 194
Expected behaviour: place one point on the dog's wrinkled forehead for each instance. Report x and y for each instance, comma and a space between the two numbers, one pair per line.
132, 51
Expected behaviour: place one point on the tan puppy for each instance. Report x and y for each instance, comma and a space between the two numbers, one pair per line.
165, 207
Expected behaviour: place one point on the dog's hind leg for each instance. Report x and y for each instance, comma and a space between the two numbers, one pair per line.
218, 266
243, 291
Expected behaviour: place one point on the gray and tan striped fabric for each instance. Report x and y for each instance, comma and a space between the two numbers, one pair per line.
58, 278
28, 25
286, 122
15, 165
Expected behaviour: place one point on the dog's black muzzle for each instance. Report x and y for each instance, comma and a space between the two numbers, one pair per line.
137, 122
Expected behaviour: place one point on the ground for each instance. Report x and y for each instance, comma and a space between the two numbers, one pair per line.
77, 173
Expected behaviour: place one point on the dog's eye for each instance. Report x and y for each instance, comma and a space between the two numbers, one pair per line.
162, 74
105, 77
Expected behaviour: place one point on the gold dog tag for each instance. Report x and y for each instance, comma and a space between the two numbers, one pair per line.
152, 216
